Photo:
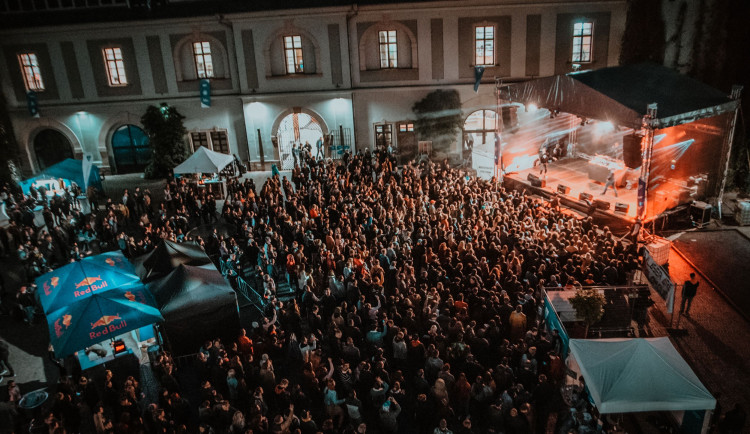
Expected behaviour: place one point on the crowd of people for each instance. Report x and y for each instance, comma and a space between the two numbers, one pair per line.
414, 303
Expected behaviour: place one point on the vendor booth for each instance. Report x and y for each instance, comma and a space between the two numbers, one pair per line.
642, 375
167, 256
205, 161
662, 136
197, 304
98, 309
62, 175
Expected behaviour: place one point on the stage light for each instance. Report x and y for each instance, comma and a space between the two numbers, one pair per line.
531, 108
604, 127
672, 164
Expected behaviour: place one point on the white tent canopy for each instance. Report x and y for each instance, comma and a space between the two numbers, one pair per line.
204, 161
631, 375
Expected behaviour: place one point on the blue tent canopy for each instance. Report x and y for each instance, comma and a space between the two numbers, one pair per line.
78, 280
99, 317
70, 169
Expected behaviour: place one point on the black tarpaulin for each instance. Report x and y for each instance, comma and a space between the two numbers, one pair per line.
167, 256
621, 95
197, 304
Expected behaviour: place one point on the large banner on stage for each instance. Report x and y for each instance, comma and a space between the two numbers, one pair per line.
659, 279
483, 161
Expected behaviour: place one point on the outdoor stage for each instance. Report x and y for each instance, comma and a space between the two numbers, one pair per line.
574, 173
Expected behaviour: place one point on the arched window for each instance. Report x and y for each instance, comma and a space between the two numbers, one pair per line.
387, 45
131, 149
200, 56
479, 128
51, 147
299, 128
291, 51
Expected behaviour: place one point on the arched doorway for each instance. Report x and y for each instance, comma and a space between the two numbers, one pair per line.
50, 147
297, 128
479, 128
131, 149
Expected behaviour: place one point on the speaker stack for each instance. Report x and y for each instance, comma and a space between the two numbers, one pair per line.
631, 151
622, 207
601, 204
563, 189
585, 197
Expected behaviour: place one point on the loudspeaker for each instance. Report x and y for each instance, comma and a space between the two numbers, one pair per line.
631, 151
510, 117
585, 197
563, 189
601, 204
622, 207
536, 181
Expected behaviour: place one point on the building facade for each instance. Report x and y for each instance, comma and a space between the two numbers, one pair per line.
349, 74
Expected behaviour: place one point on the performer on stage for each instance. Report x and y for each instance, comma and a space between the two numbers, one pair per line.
610, 183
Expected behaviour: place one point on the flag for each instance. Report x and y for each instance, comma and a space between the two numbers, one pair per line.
205, 93
478, 72
641, 211
32, 103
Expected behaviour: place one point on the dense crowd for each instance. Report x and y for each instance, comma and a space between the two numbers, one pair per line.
415, 308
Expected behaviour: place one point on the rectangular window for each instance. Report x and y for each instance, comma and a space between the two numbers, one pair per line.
405, 128
582, 41
32, 75
219, 141
383, 135
199, 139
484, 45
115, 67
388, 49
293, 54
204, 65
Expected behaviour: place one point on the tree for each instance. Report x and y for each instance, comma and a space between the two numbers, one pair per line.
589, 306
643, 39
439, 118
166, 132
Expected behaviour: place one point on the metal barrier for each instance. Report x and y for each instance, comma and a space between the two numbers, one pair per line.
247, 291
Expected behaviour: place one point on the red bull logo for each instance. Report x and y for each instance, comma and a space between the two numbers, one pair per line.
90, 284
110, 262
88, 281
47, 289
105, 325
61, 322
130, 296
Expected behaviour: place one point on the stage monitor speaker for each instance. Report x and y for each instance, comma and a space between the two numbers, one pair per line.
536, 181
601, 204
563, 189
622, 207
631, 151
585, 197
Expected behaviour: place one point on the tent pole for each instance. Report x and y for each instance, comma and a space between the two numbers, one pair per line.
728, 139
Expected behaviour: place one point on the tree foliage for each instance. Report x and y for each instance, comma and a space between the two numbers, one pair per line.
589, 306
643, 39
439, 118
166, 133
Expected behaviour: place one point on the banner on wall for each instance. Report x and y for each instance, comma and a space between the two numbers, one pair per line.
205, 93
478, 73
33, 103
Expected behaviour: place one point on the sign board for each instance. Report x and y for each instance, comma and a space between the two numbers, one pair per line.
659, 279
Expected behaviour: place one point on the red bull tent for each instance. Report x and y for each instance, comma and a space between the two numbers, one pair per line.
89, 300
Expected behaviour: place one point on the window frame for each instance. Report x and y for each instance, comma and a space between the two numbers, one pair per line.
31, 72
386, 130
391, 49
293, 54
116, 75
578, 41
208, 140
203, 60
484, 41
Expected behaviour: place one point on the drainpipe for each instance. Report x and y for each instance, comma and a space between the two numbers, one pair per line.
349, 17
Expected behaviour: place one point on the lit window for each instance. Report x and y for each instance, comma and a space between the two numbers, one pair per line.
484, 45
220, 142
388, 49
32, 75
582, 40
405, 128
203, 63
383, 135
293, 54
115, 67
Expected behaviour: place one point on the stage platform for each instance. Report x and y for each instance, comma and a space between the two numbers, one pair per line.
574, 173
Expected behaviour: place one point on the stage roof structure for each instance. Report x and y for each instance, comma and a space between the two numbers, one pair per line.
633, 375
621, 95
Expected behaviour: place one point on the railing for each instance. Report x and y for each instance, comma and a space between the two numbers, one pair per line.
247, 291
